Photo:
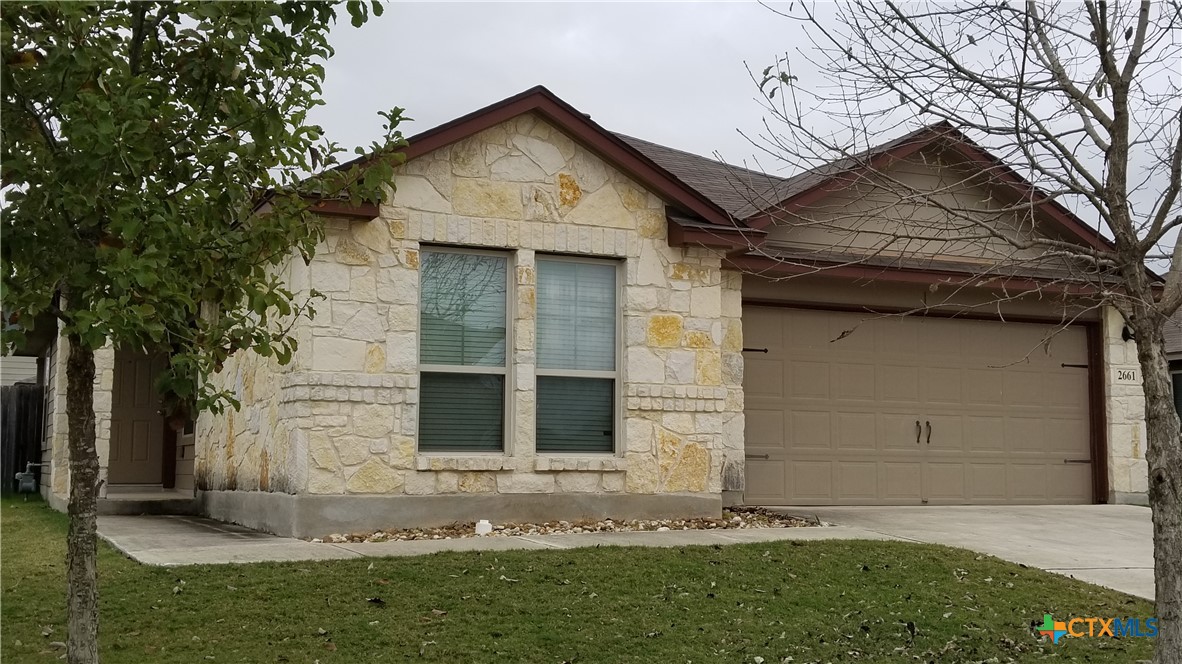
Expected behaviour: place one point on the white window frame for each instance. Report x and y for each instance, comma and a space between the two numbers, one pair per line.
507, 398
615, 375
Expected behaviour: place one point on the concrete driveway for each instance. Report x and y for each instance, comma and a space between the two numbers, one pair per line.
1109, 545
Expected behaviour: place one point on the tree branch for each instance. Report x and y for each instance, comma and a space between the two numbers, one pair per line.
138, 34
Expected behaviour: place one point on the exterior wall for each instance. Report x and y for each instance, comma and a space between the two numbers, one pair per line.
350, 399
17, 369
53, 446
104, 386
55, 478
248, 448
898, 213
186, 463
1124, 399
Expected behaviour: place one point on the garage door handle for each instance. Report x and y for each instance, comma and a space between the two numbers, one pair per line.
918, 431
758, 456
1077, 460
929, 424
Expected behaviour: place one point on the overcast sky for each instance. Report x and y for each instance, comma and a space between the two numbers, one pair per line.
672, 73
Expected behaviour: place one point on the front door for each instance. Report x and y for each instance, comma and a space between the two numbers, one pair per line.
137, 427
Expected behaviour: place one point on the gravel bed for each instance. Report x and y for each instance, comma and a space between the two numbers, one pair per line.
732, 518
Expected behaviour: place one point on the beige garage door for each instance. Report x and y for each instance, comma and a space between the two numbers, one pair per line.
854, 409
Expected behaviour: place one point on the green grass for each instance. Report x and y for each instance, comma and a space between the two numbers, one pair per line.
837, 601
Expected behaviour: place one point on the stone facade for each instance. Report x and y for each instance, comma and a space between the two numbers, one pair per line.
55, 476
344, 413
55, 447
1124, 401
249, 448
331, 438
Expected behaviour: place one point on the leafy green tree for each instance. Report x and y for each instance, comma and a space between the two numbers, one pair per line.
155, 161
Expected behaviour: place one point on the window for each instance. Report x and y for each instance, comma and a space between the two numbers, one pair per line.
576, 372
462, 351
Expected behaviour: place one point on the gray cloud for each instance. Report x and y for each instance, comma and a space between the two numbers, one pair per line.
669, 73
672, 73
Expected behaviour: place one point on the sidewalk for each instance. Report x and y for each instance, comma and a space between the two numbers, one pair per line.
184, 540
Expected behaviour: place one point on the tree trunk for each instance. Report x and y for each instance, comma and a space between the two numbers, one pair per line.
81, 544
1163, 451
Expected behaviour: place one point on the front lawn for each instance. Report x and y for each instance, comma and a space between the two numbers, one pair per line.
837, 601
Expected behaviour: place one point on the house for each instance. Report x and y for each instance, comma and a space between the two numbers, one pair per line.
14, 369
1174, 352
552, 321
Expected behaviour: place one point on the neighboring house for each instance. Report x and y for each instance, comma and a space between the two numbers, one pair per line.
14, 369
551, 321
1174, 351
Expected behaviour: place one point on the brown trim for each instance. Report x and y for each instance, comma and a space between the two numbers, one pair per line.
765, 264
892, 311
1099, 412
1098, 421
168, 457
579, 127
718, 237
335, 208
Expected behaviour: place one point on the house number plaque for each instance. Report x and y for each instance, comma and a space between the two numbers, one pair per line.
1127, 376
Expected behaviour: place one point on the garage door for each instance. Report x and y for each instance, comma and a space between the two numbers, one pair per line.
856, 409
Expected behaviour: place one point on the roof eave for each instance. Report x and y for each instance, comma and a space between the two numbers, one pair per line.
861, 272
330, 207
684, 232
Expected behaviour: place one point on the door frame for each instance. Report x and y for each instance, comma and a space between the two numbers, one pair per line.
1098, 420
168, 457
167, 439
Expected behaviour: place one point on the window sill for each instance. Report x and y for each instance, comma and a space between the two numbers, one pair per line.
465, 462
494, 462
603, 464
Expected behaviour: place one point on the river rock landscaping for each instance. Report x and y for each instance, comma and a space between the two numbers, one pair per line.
732, 518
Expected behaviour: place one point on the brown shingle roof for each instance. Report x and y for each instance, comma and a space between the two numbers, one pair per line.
732, 188
744, 192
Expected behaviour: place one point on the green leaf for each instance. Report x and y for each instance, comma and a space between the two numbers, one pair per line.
358, 12
149, 219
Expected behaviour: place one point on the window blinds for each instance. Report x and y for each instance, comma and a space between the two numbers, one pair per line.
461, 412
462, 311
575, 414
577, 334
462, 323
576, 316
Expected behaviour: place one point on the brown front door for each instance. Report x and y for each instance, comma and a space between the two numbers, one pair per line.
137, 427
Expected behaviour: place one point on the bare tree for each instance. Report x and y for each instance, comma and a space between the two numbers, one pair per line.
1053, 110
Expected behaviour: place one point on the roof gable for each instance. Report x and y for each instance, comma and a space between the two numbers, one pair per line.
582, 129
814, 185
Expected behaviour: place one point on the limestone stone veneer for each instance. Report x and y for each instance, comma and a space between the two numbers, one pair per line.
341, 419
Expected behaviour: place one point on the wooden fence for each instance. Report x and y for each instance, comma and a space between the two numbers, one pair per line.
20, 430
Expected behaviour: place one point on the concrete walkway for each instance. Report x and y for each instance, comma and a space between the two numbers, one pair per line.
186, 540
1109, 545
